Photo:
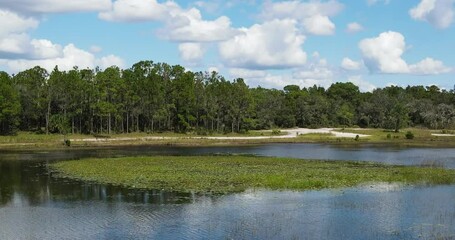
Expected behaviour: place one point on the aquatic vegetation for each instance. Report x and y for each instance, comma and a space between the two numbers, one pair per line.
238, 173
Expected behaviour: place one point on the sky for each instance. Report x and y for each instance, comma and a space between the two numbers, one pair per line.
372, 43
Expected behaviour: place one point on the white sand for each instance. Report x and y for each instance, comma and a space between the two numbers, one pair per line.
290, 133
442, 135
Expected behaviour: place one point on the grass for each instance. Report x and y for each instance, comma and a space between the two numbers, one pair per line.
223, 174
423, 138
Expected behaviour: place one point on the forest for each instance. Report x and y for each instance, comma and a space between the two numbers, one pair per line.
156, 97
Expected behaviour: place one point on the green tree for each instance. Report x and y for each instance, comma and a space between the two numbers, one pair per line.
9, 106
32, 87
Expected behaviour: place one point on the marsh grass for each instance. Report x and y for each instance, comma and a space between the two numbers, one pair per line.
221, 174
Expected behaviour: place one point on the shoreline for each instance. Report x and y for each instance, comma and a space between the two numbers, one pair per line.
290, 136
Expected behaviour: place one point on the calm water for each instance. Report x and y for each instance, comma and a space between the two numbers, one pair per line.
35, 205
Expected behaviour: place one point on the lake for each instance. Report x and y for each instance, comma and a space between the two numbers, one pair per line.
36, 205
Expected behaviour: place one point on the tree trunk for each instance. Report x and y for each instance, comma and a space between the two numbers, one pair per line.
127, 122
109, 124
397, 126
137, 124
153, 122
48, 116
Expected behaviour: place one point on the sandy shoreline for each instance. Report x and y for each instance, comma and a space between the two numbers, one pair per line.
290, 133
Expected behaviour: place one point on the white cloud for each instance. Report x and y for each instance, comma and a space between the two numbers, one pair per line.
182, 25
209, 6
281, 80
14, 42
109, 61
246, 73
383, 55
429, 66
363, 85
188, 26
319, 25
11, 22
316, 72
354, 27
438, 13
13, 45
138, 10
18, 51
43, 49
55, 6
349, 64
314, 16
20, 46
274, 44
71, 56
191, 52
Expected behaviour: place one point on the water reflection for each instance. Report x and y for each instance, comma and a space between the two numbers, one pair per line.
30, 183
443, 157
410, 213
35, 205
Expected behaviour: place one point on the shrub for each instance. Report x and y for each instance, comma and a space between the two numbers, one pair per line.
67, 142
389, 136
276, 132
409, 135
357, 137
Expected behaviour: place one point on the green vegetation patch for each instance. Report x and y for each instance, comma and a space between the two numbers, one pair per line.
237, 173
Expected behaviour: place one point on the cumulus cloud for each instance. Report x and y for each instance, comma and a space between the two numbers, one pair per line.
18, 51
316, 72
189, 26
55, 6
138, 10
363, 85
191, 52
70, 56
349, 64
383, 54
274, 44
11, 22
109, 61
246, 73
314, 16
14, 42
281, 80
319, 25
429, 66
438, 13
182, 25
354, 27
19, 46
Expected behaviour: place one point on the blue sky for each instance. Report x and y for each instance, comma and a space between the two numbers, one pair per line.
372, 43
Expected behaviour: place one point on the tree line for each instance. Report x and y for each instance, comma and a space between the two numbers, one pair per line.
154, 97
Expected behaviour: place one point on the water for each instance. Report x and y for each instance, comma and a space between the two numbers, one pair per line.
35, 205
444, 157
